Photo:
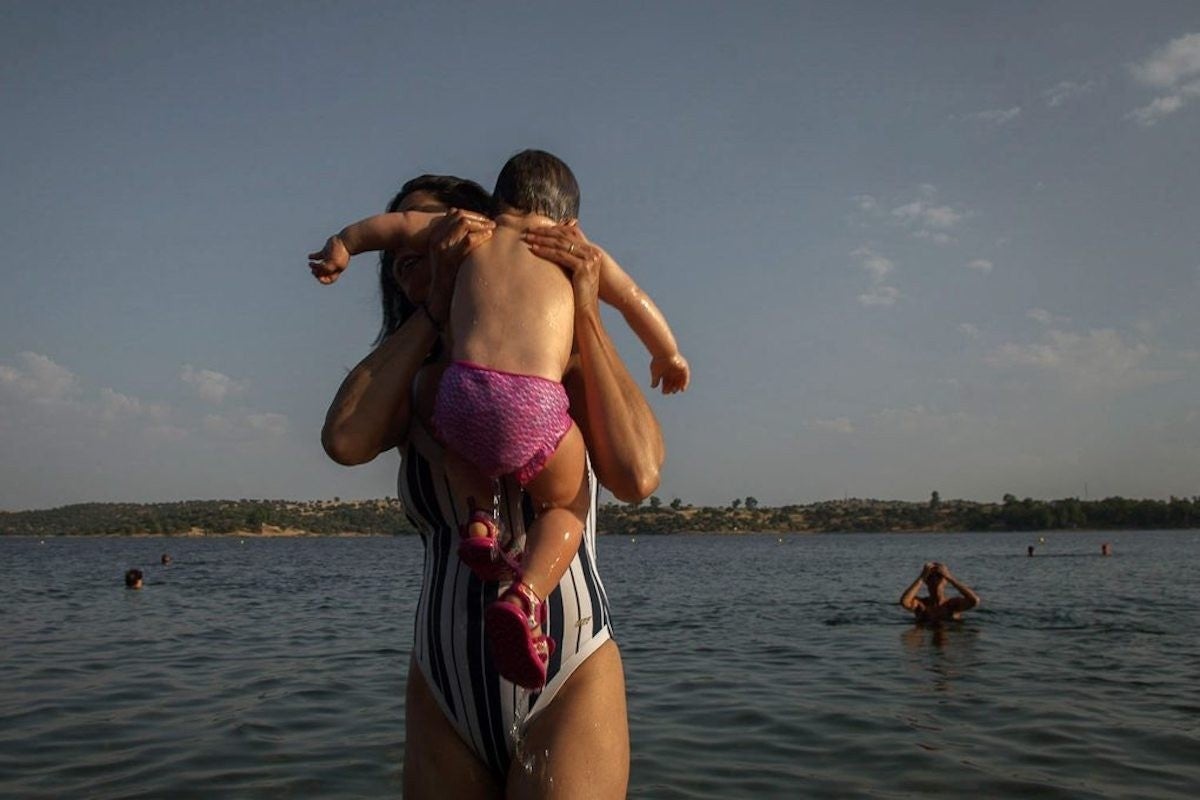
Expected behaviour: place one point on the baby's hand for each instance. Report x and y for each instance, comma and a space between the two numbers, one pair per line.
672, 371
329, 263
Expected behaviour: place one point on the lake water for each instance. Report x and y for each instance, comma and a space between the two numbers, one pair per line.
757, 667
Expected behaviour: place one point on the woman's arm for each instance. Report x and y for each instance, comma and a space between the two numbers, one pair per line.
622, 434
373, 406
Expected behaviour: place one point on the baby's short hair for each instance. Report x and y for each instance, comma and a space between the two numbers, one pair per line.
536, 182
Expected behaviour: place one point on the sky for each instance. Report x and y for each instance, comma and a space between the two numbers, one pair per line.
905, 247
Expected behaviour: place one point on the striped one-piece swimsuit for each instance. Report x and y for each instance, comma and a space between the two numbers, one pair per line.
451, 648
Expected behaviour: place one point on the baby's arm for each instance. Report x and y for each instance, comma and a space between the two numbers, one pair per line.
403, 229
667, 364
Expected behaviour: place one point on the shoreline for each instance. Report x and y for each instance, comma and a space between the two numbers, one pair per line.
301, 534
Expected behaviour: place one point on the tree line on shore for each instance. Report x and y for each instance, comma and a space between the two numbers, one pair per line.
386, 516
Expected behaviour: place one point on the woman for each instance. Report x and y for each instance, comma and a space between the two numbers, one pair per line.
469, 733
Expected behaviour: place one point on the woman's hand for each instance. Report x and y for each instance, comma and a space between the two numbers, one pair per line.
566, 246
330, 262
451, 239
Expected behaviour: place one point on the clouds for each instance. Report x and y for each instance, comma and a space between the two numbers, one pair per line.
209, 384
996, 116
836, 425
926, 218
1064, 91
878, 268
1174, 71
39, 390
1176, 61
927, 215
923, 217
1097, 359
38, 378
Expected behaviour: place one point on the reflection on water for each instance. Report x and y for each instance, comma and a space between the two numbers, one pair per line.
942, 651
755, 667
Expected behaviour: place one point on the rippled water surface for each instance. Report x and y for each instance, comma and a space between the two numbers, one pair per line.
757, 667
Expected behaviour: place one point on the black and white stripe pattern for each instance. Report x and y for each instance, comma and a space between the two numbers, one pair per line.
451, 648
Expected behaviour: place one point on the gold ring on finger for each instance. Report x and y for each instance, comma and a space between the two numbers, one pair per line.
571, 249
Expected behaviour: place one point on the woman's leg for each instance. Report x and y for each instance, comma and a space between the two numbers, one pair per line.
437, 762
580, 743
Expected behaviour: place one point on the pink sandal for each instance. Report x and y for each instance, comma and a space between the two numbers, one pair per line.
483, 554
518, 655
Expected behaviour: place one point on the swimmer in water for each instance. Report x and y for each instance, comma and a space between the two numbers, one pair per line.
133, 579
935, 607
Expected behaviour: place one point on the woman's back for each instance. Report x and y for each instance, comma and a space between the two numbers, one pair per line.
512, 311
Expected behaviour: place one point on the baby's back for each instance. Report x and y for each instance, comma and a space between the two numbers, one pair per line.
512, 311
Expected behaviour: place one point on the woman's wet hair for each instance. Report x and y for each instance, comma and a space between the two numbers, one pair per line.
455, 193
133, 577
536, 182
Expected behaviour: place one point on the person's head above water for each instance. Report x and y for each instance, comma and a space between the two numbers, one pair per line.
133, 579
935, 581
425, 192
536, 182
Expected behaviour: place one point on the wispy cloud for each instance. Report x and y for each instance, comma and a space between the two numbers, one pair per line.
928, 214
924, 216
1174, 71
980, 265
1098, 359
879, 296
238, 425
37, 388
211, 385
969, 330
865, 202
1045, 317
996, 116
38, 378
836, 425
937, 237
1064, 91
879, 268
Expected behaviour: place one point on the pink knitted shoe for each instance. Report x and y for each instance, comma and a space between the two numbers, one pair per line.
518, 655
483, 554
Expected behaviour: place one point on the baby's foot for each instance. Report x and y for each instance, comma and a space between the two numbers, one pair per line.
520, 651
479, 548
479, 528
535, 627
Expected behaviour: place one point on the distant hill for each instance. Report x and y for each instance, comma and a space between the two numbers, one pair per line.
898, 516
266, 517
386, 517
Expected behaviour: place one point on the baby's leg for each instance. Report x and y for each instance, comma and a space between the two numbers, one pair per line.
514, 623
560, 497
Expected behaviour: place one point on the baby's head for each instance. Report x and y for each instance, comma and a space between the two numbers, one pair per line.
535, 182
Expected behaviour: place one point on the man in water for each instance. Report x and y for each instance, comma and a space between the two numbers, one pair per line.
935, 607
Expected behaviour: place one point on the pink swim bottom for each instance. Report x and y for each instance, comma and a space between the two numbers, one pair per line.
501, 422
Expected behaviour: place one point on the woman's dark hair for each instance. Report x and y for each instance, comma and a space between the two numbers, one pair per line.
454, 192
